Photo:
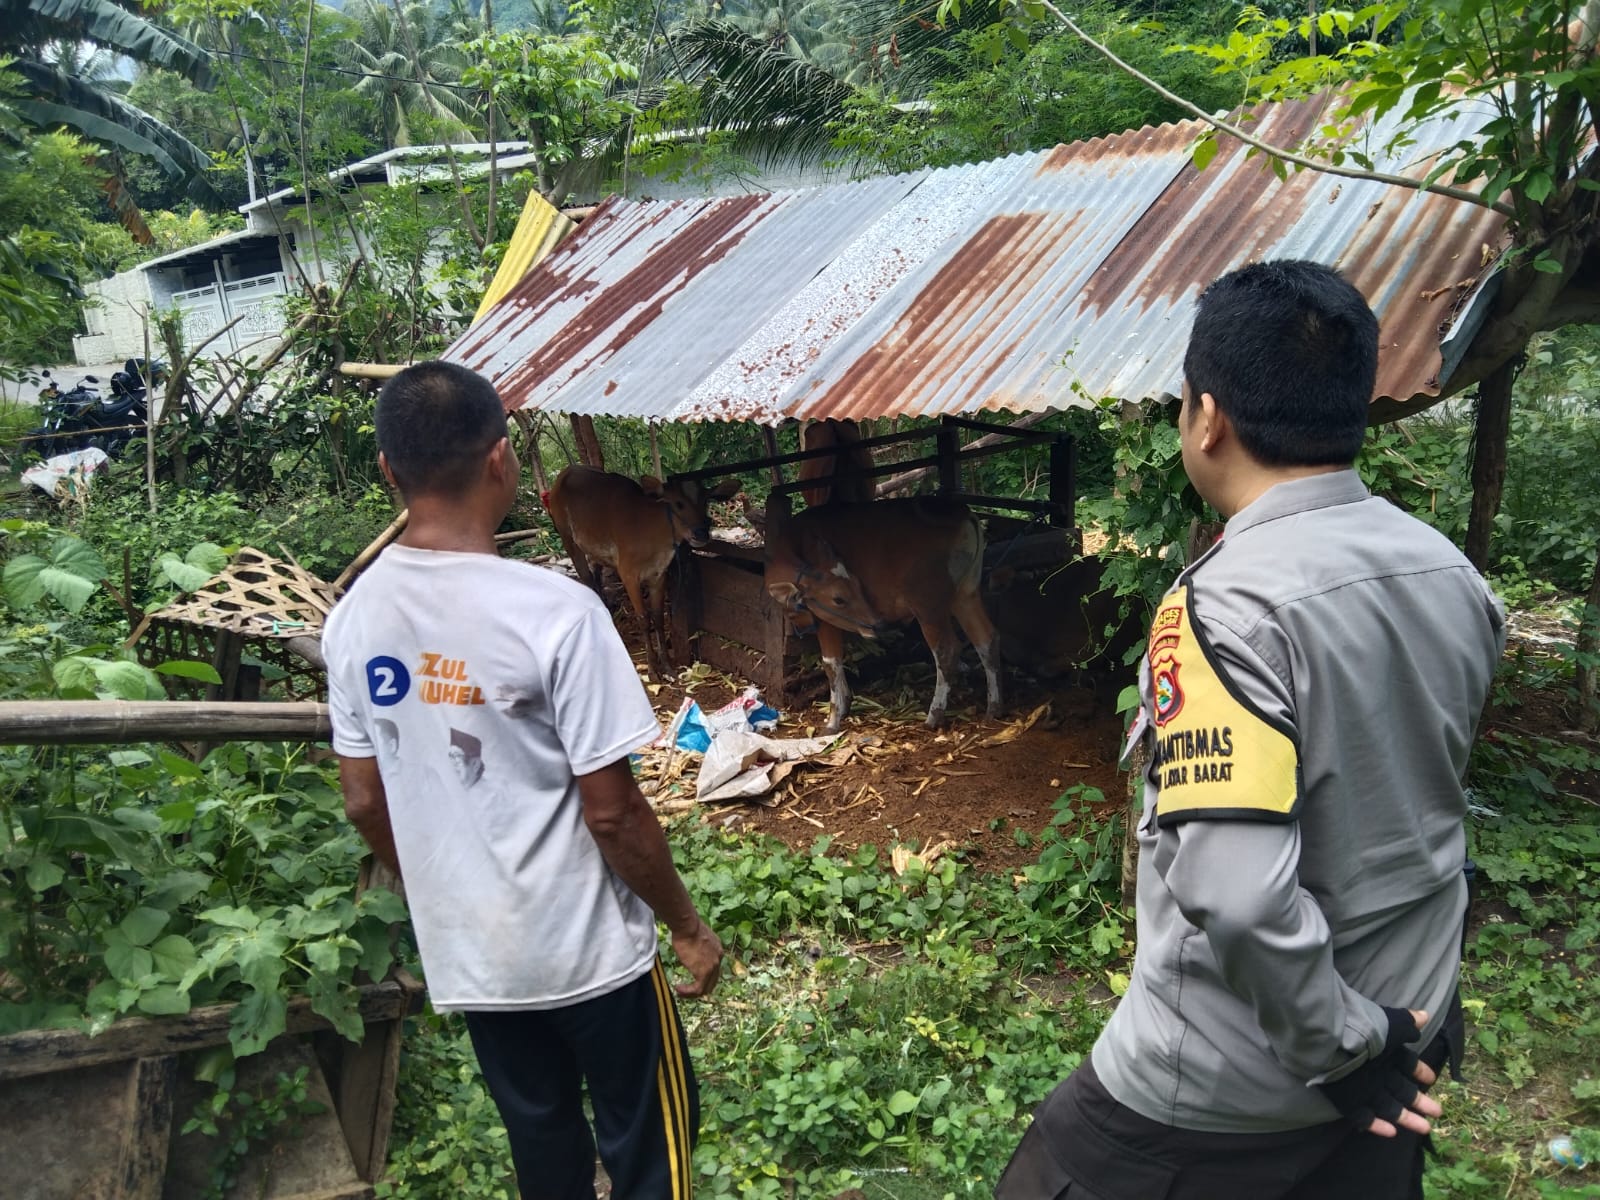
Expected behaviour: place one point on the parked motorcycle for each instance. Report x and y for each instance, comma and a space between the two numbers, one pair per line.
122, 418
65, 416
81, 418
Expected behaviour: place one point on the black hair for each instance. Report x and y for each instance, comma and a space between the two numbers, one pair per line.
435, 422
1289, 351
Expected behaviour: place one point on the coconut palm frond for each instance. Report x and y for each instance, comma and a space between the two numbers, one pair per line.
775, 105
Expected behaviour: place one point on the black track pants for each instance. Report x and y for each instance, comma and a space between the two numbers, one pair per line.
1083, 1145
627, 1048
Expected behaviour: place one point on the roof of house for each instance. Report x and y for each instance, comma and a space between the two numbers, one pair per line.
210, 249
393, 164
1036, 281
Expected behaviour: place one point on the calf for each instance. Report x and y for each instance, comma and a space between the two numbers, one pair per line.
851, 467
862, 567
633, 528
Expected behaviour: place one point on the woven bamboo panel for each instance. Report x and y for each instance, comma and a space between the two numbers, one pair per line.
258, 596
264, 600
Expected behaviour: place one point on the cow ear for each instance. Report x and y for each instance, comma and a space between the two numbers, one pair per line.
651, 485
725, 488
783, 592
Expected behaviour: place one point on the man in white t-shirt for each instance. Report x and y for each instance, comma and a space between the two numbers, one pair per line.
483, 712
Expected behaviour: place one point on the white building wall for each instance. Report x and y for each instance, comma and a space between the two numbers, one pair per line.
114, 316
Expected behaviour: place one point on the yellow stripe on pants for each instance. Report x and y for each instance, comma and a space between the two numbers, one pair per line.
672, 1085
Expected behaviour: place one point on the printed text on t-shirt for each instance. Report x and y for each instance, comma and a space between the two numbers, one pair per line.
445, 681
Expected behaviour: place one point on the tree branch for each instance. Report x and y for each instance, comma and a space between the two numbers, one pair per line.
1278, 152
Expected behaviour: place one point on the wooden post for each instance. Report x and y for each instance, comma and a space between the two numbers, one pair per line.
588, 441
142, 1163
687, 600
225, 662
1490, 433
655, 451
777, 624
949, 441
1064, 481
769, 439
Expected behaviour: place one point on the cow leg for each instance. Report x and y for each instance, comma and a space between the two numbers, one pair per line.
830, 639
657, 628
634, 586
941, 638
975, 623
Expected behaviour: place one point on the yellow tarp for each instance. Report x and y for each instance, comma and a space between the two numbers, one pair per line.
540, 229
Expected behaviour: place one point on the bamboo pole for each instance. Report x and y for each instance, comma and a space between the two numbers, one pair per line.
364, 560
372, 370
70, 722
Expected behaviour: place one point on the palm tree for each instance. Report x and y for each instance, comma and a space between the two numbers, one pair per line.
41, 38
411, 62
777, 75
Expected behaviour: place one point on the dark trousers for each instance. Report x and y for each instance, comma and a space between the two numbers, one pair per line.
628, 1049
1084, 1145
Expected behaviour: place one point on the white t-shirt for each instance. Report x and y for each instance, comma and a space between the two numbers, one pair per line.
484, 686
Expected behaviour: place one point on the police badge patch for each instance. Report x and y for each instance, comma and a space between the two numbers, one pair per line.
1215, 754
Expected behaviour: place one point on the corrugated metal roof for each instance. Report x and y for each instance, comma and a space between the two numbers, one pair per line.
540, 229
1037, 281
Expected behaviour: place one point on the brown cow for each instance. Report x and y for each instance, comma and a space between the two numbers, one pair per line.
1063, 620
862, 567
633, 528
852, 465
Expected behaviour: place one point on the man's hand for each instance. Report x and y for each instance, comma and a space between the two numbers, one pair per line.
1383, 1095
700, 951
1415, 1116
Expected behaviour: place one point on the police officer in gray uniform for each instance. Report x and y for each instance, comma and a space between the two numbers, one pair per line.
1309, 696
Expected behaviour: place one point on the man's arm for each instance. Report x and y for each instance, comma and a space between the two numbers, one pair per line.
1237, 881
630, 839
1229, 853
367, 806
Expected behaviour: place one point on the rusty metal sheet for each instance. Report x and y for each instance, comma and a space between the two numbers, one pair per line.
1036, 281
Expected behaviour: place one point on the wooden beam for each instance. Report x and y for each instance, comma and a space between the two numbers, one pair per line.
910, 478
40, 1051
71, 722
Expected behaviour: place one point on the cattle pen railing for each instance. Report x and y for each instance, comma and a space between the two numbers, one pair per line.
721, 613
947, 459
103, 1116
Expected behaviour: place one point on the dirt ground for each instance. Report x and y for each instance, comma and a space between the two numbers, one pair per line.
970, 786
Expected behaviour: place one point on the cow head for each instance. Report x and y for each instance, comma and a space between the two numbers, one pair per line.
820, 583
685, 502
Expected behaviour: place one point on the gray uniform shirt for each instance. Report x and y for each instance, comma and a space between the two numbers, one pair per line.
1310, 695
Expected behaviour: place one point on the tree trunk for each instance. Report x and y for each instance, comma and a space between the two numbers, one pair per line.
588, 443
1490, 433
1588, 648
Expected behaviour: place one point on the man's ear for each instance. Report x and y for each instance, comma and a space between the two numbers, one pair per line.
500, 458
388, 471
1214, 428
